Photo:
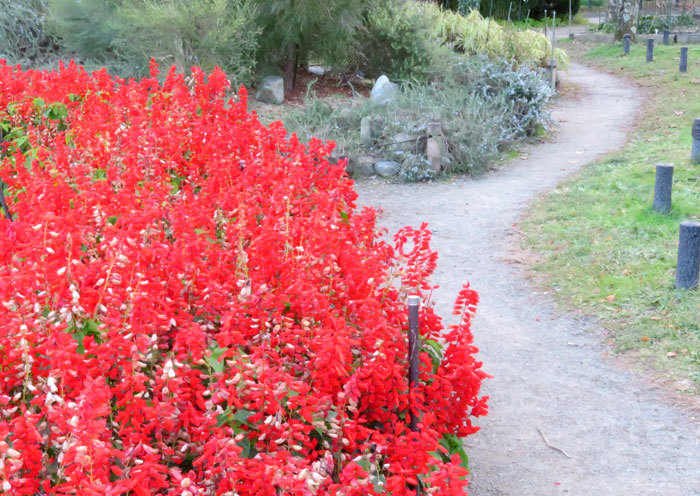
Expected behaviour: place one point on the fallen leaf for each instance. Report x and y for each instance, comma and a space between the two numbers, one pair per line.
573, 162
625, 272
610, 298
678, 112
655, 317
645, 339
684, 351
671, 354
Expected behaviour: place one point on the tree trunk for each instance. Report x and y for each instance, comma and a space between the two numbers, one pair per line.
290, 69
624, 14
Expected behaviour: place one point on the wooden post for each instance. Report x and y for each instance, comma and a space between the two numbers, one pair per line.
663, 188
695, 133
688, 266
683, 66
650, 49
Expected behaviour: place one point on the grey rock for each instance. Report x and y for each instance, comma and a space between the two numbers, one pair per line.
432, 150
387, 168
364, 166
370, 129
403, 142
383, 90
271, 90
350, 164
317, 70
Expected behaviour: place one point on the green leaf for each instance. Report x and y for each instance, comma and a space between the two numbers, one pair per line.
99, 175
242, 415
454, 445
90, 328
213, 359
434, 350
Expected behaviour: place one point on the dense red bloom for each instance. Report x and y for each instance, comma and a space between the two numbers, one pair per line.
191, 304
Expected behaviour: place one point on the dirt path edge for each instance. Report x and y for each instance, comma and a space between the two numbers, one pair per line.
553, 385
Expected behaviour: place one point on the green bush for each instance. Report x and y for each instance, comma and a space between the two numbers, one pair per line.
466, 6
126, 34
296, 31
475, 35
399, 40
652, 23
561, 7
536, 8
186, 33
84, 27
22, 36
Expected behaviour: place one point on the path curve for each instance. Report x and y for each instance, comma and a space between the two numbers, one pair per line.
549, 370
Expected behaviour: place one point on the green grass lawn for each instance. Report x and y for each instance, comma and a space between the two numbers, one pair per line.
601, 245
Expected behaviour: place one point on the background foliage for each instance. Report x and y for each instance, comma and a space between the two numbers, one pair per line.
126, 34
22, 35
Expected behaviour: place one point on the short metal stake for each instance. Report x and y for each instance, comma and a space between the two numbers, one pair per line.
413, 352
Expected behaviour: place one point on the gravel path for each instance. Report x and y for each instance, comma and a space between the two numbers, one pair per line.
550, 371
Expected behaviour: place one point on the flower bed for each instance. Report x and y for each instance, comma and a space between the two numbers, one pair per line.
192, 305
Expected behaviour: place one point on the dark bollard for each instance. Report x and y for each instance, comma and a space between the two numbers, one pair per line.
688, 268
695, 133
626, 43
650, 49
3, 202
683, 67
667, 36
663, 188
413, 352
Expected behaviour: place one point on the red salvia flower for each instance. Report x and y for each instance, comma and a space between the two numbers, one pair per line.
191, 304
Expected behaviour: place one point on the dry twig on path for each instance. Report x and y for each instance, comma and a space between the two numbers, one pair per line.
546, 441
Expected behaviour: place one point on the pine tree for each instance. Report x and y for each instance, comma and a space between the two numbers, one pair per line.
294, 30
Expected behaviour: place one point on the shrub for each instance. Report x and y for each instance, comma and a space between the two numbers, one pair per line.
22, 35
536, 8
295, 31
652, 23
202, 33
483, 107
464, 7
84, 27
400, 41
192, 305
475, 35
128, 33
